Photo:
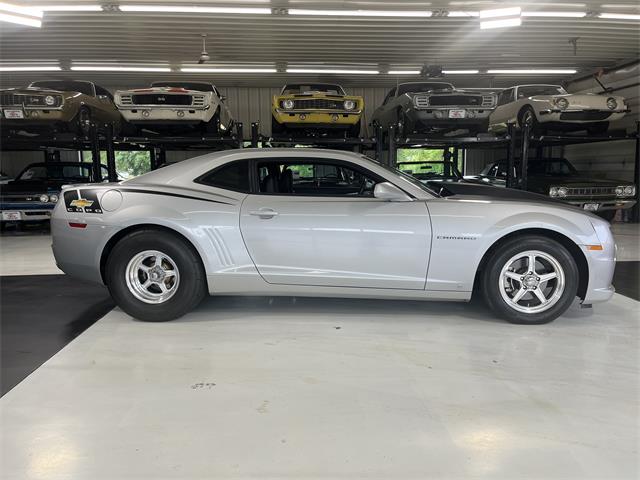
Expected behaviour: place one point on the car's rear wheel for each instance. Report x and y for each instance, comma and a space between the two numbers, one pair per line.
155, 275
528, 118
530, 280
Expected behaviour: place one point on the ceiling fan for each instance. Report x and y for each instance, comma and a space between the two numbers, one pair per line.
204, 56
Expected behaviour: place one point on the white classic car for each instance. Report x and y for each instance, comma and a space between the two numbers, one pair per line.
167, 106
552, 107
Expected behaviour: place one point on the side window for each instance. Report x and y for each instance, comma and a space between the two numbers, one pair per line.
505, 96
314, 178
232, 176
389, 96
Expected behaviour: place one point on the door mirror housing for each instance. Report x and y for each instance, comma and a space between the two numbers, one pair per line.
388, 191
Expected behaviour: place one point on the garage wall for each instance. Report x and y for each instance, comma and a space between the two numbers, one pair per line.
610, 159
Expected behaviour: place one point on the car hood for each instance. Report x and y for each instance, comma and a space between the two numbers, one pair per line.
492, 193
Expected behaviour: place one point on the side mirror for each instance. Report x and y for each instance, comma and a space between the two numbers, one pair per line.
223, 98
388, 191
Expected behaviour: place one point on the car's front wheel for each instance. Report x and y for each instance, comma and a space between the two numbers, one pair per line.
530, 280
155, 276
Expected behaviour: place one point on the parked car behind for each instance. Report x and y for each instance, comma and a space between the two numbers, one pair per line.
176, 106
59, 105
316, 108
558, 178
35, 191
551, 107
422, 107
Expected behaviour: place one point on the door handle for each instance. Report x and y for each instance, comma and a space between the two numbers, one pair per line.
264, 213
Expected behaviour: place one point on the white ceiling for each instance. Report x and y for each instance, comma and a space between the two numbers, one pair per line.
376, 43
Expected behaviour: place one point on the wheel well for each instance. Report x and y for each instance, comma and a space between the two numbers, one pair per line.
574, 250
521, 112
126, 231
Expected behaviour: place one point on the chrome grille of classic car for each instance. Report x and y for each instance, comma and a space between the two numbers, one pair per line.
126, 99
198, 101
318, 104
591, 191
32, 101
9, 99
160, 99
20, 197
455, 100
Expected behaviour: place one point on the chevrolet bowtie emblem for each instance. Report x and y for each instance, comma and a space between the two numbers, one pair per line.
81, 203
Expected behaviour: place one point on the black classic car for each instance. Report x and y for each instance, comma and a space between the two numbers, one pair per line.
558, 178
422, 107
32, 196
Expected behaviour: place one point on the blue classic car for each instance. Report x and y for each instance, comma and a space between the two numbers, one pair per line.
34, 193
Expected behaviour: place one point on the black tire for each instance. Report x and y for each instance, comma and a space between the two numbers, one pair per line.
490, 280
608, 215
528, 116
190, 290
84, 118
599, 128
276, 128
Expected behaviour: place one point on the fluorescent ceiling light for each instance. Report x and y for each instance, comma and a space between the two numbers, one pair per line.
31, 68
228, 70
117, 68
460, 72
404, 72
504, 22
20, 10
333, 71
555, 14
620, 16
29, 22
501, 12
69, 8
193, 9
457, 13
535, 71
362, 13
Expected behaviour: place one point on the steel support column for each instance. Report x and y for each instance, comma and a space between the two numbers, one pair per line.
524, 156
95, 153
392, 158
511, 152
255, 134
111, 154
635, 217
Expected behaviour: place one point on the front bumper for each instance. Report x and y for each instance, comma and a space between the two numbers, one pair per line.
36, 117
602, 264
26, 212
439, 117
602, 204
292, 118
176, 115
580, 116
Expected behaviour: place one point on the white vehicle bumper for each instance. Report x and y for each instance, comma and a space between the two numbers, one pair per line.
602, 264
145, 114
579, 115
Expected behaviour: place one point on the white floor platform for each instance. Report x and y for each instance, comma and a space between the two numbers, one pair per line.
332, 389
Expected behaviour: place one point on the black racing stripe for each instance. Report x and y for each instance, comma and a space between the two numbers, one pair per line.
154, 192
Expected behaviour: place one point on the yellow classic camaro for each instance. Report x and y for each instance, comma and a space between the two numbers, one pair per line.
316, 107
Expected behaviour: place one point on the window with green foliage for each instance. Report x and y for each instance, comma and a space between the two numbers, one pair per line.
129, 163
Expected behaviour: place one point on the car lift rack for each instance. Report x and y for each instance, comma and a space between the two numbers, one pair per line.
383, 146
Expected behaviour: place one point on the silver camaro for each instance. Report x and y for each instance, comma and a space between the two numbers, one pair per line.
326, 223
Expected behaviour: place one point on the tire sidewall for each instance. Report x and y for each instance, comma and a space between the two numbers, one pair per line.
192, 286
491, 279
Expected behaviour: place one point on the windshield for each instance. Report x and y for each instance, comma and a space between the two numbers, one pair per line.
551, 166
295, 89
65, 86
423, 87
532, 90
80, 173
405, 176
198, 87
430, 170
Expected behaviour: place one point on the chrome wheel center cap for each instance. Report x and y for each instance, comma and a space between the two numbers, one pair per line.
156, 274
530, 281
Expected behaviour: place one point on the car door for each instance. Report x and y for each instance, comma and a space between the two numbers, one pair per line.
315, 221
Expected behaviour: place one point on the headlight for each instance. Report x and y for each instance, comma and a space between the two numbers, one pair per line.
49, 100
562, 191
553, 192
288, 104
562, 103
349, 105
44, 198
53, 198
627, 191
611, 103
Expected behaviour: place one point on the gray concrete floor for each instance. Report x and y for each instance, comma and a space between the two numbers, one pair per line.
322, 388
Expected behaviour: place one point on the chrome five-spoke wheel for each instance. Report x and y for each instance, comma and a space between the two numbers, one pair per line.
531, 281
152, 276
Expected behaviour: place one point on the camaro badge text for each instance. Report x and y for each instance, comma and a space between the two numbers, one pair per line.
455, 237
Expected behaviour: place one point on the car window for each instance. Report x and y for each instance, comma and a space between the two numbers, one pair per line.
423, 87
299, 88
532, 90
389, 96
231, 176
66, 86
314, 178
71, 173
